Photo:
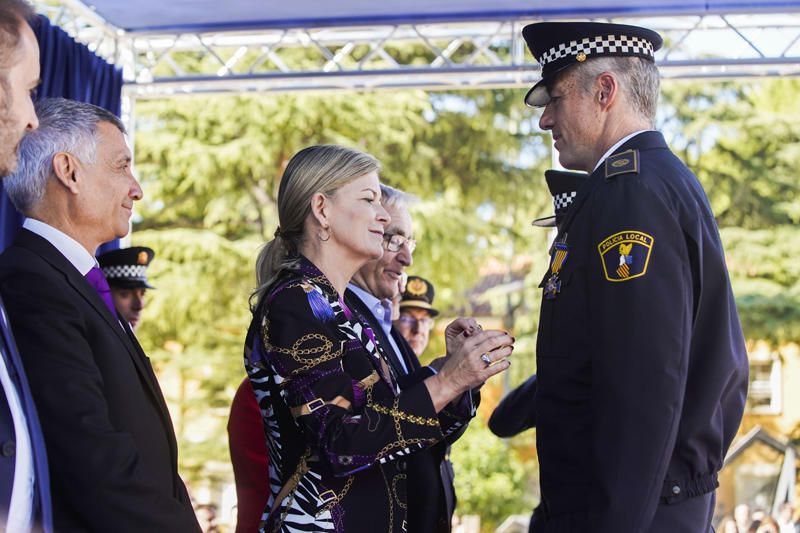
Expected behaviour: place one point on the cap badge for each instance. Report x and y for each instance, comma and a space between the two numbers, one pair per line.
417, 287
142, 258
581, 57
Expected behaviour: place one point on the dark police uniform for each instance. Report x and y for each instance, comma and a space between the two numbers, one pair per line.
640, 356
642, 369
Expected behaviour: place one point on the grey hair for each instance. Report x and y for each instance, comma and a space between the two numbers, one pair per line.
322, 169
639, 80
64, 126
391, 197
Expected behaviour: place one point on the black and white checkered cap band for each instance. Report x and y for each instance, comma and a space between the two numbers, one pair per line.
125, 271
599, 45
563, 200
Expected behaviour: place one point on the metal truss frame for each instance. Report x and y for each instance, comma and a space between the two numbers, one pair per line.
488, 54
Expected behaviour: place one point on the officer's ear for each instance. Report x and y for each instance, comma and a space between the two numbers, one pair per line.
607, 89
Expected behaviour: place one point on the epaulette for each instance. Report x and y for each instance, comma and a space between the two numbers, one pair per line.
626, 162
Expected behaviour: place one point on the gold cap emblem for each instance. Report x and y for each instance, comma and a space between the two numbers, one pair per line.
581, 57
417, 287
142, 258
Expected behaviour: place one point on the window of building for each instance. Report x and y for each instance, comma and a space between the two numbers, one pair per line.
764, 396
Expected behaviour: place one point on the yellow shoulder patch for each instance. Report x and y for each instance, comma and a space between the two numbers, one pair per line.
625, 255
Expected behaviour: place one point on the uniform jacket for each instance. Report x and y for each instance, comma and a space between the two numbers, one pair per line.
109, 438
642, 369
336, 419
42, 509
431, 494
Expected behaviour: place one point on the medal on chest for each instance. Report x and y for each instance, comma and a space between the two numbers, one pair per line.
558, 257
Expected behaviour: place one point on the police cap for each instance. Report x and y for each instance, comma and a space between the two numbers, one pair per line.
558, 45
126, 268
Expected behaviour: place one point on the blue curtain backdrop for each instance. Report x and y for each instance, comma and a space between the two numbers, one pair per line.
70, 70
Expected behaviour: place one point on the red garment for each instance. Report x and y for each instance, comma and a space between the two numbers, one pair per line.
250, 459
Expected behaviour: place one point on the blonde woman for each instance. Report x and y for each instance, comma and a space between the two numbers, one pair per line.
335, 418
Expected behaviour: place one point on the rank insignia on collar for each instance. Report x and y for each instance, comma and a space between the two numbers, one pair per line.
626, 162
625, 255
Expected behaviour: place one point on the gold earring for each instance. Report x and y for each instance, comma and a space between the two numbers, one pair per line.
327, 234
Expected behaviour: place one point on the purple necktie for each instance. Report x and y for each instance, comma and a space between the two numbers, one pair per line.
98, 281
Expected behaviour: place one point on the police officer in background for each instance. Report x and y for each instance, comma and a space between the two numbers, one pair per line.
126, 272
416, 313
642, 369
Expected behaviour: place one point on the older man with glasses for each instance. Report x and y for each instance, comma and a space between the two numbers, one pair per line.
431, 496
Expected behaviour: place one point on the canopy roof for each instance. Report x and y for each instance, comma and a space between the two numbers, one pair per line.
168, 47
216, 15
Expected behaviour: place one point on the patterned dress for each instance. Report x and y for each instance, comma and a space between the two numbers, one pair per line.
335, 419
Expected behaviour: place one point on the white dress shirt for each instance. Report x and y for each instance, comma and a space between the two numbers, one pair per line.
75, 253
20, 510
382, 310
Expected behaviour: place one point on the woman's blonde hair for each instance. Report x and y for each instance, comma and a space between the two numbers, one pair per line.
323, 168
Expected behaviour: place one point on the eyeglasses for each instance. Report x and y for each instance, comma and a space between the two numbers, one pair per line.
412, 322
395, 241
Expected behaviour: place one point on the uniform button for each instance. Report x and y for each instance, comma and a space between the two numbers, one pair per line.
676, 490
9, 448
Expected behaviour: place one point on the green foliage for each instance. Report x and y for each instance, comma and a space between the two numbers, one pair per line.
193, 330
490, 481
765, 274
742, 142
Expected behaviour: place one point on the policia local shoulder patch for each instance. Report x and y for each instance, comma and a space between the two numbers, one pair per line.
625, 255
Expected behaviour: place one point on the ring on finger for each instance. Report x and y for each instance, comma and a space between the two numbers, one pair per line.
486, 359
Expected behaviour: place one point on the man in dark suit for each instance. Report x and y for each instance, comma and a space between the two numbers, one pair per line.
24, 483
112, 450
641, 363
431, 496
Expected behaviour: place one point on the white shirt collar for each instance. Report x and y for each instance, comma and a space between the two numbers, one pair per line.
382, 311
75, 253
617, 145
369, 300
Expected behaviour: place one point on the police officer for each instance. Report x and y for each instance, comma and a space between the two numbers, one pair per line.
416, 313
126, 272
642, 370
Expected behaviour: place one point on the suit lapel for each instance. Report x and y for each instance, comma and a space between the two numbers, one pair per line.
50, 253
411, 359
384, 346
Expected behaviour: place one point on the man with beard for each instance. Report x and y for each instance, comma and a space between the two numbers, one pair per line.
24, 484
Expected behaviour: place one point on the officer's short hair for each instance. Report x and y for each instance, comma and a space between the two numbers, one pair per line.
638, 77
